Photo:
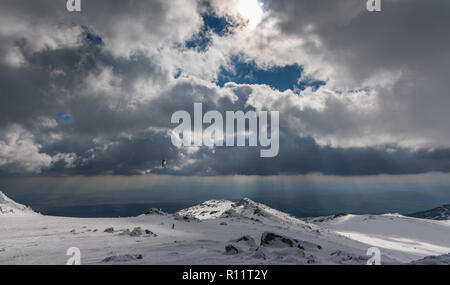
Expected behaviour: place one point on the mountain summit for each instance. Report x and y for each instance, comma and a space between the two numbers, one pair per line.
245, 209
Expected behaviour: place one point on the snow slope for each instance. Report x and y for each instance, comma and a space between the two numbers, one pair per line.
400, 237
433, 260
216, 232
9, 207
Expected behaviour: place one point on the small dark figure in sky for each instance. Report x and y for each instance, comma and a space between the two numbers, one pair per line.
163, 163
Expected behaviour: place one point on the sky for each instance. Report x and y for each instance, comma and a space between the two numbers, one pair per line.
91, 93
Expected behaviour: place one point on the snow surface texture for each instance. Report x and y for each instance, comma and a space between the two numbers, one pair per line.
433, 260
219, 232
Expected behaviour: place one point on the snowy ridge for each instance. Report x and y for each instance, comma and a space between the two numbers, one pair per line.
211, 209
323, 219
439, 213
9, 207
244, 209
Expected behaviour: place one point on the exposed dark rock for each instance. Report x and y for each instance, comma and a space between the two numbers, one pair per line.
109, 230
150, 233
272, 239
156, 211
232, 249
247, 240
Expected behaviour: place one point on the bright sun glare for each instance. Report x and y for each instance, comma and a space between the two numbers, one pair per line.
251, 10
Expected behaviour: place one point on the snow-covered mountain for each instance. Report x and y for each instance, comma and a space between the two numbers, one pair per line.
9, 207
245, 209
220, 232
439, 213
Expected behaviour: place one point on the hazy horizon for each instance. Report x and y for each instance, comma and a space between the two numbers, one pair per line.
301, 195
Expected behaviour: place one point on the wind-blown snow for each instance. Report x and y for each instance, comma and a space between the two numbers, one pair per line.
217, 232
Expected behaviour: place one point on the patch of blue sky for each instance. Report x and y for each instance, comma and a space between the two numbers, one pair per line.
63, 117
90, 38
211, 24
178, 73
281, 78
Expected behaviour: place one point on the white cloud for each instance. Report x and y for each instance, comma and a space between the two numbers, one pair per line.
69, 159
14, 57
20, 154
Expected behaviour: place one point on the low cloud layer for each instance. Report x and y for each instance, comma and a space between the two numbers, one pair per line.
92, 93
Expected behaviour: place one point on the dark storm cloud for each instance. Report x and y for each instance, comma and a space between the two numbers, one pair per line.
34, 91
125, 156
405, 33
305, 156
